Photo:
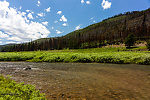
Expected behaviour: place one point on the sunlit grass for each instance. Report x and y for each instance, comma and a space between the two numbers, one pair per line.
98, 55
10, 90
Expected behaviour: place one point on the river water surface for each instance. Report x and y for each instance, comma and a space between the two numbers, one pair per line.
77, 81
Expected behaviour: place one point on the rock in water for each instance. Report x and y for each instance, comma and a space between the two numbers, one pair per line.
28, 68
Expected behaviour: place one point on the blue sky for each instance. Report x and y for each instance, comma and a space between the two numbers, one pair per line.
26, 20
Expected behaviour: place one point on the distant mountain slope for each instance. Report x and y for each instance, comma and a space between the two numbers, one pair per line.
111, 30
118, 27
1, 46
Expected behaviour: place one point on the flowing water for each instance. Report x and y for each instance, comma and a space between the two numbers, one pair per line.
77, 81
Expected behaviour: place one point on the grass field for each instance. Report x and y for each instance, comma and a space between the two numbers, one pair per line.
10, 90
98, 55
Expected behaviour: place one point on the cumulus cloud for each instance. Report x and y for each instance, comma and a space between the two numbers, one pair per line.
15, 26
59, 12
38, 3
27, 10
94, 21
14, 38
58, 32
78, 27
52, 27
63, 18
20, 7
2, 35
40, 14
88, 2
91, 18
48, 9
30, 16
23, 13
11, 42
55, 21
106, 4
45, 23
82, 1
64, 24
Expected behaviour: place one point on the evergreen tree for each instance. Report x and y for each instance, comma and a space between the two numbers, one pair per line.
148, 45
130, 41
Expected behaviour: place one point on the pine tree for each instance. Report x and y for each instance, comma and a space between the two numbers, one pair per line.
130, 41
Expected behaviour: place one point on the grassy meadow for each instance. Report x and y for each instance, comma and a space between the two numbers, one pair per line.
116, 55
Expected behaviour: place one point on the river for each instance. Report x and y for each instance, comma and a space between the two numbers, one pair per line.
78, 81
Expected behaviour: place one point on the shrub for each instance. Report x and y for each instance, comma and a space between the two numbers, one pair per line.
130, 40
10, 90
148, 45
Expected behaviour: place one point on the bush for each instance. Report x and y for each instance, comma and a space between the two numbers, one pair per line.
148, 45
130, 40
10, 90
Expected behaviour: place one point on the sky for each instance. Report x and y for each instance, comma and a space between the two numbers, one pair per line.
27, 20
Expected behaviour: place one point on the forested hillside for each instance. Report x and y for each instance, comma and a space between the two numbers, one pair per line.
110, 31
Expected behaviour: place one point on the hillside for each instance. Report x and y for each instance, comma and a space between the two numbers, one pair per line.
110, 31
2, 46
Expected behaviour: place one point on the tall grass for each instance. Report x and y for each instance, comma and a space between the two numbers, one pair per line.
82, 56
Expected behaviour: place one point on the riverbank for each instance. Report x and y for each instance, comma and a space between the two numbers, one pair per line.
97, 55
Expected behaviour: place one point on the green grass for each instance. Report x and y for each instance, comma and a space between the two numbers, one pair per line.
98, 55
10, 90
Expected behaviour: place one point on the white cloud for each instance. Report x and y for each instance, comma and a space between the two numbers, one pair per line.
20, 7
94, 21
30, 16
63, 18
27, 10
91, 18
14, 38
52, 28
48, 9
59, 12
82, 1
88, 2
45, 23
40, 14
38, 3
2, 35
11, 42
106, 4
58, 32
55, 21
64, 24
15, 26
78, 27
23, 13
